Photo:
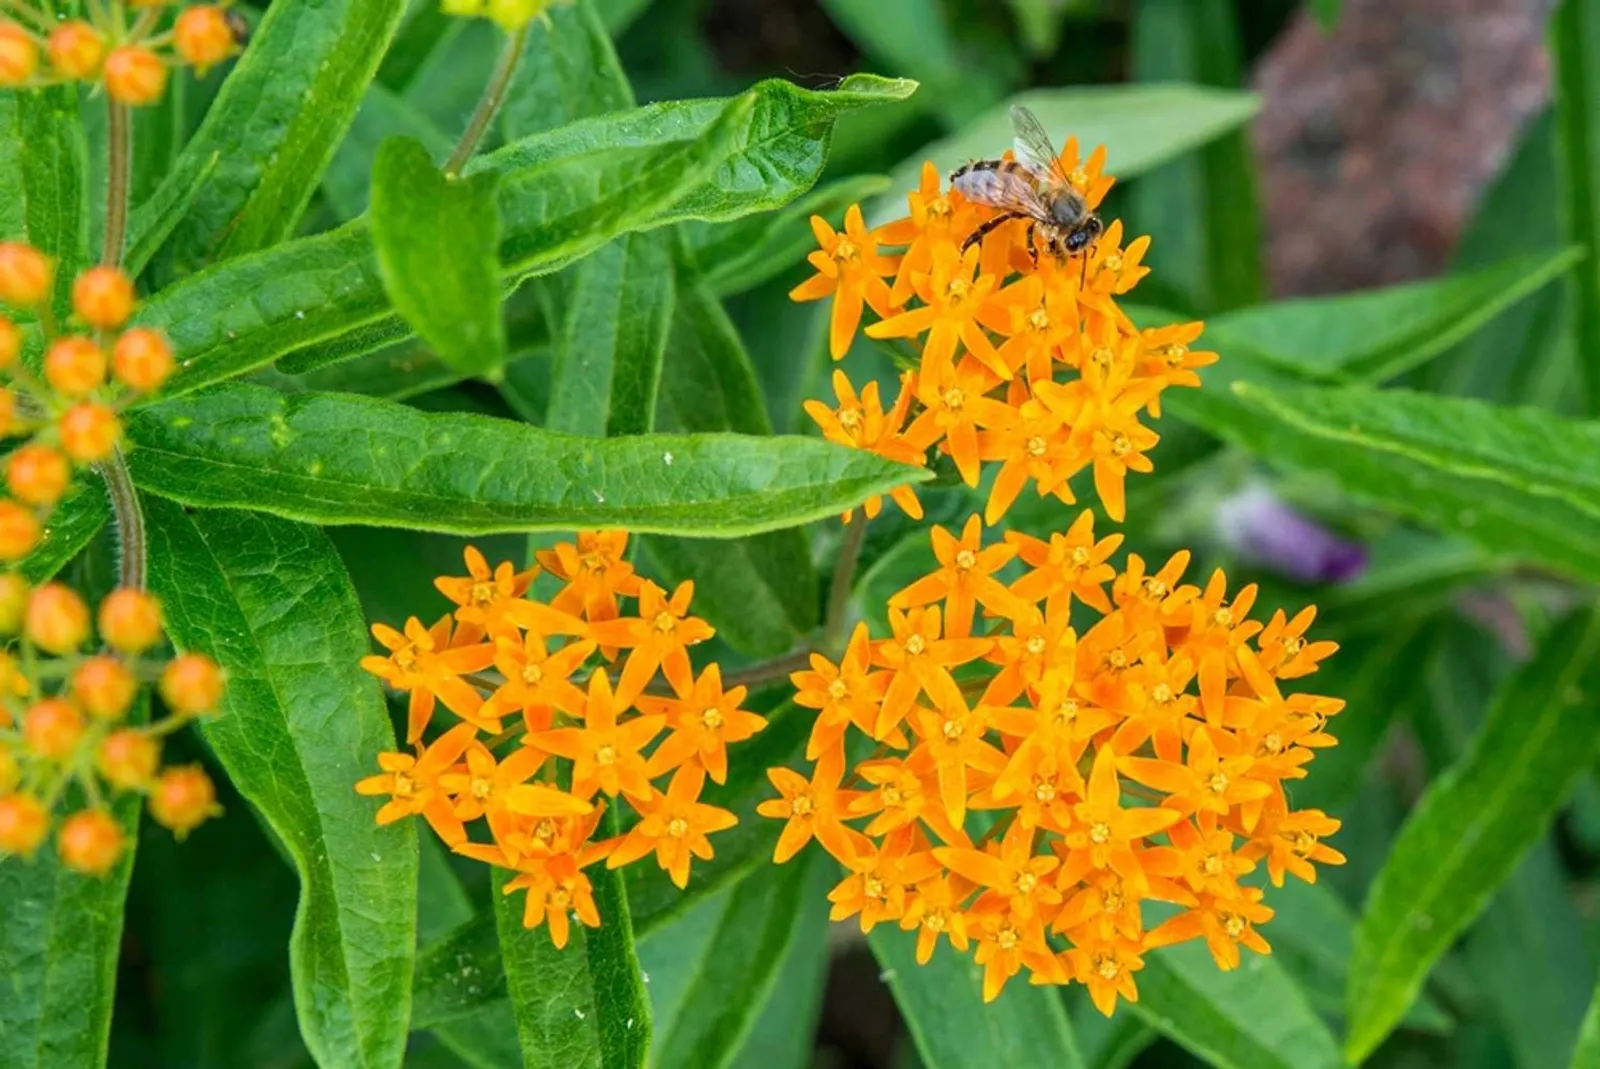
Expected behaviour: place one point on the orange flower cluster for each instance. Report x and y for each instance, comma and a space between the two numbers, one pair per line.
1023, 359
583, 733
70, 416
129, 56
64, 721
1143, 759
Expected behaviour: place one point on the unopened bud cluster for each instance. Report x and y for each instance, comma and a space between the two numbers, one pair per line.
68, 410
69, 739
129, 51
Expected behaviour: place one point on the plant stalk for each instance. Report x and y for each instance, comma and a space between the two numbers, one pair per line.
119, 145
493, 95
844, 572
129, 518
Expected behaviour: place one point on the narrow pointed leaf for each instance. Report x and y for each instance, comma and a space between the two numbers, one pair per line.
275, 125
942, 1002
299, 724
1575, 48
437, 240
44, 145
1473, 825
337, 458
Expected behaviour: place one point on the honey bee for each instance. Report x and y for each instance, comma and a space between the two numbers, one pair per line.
1034, 187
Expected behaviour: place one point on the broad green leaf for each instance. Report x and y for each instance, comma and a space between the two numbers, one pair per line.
436, 238
426, 25
618, 15
569, 71
672, 955
1107, 1042
275, 124
337, 458
584, 1006
299, 724
153, 221
1200, 208
740, 967
347, 183
942, 1003
1515, 481
49, 150
58, 955
1473, 825
561, 195
739, 256
1141, 127
613, 310
459, 974
73, 525
779, 1037
1253, 1017
761, 592
1575, 48
1380, 333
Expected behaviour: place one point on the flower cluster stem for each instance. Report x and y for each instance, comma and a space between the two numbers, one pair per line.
125, 508
844, 572
489, 104
129, 518
119, 145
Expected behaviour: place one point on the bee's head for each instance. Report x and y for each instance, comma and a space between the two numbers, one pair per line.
1085, 234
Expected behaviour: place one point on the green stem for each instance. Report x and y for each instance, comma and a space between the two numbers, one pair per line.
119, 145
493, 95
844, 572
129, 518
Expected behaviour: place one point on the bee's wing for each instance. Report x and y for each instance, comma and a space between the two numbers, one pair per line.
1005, 190
1032, 145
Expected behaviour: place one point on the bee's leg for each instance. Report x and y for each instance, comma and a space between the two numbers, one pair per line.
1033, 247
979, 234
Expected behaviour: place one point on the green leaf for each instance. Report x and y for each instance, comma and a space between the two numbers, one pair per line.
1107, 1042
739, 969
274, 142
300, 723
436, 238
1039, 25
1587, 1054
915, 36
1575, 48
153, 221
58, 954
777, 1037
569, 71
1380, 333
1473, 825
73, 525
338, 458
47, 146
584, 1006
561, 195
740, 256
1253, 1017
1026, 1027
1141, 127
1516, 481
347, 183
1200, 208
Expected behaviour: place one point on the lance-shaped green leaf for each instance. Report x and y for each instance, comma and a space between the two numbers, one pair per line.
1517, 481
275, 125
44, 147
562, 195
1026, 1027
582, 1006
738, 969
299, 724
153, 222
1253, 1017
384, 114
1473, 825
437, 238
336, 458
1587, 1053
1380, 333
72, 526
58, 955
1575, 47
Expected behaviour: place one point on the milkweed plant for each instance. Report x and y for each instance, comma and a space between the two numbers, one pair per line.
540, 557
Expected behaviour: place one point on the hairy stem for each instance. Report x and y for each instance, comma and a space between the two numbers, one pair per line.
129, 517
119, 145
493, 94
844, 573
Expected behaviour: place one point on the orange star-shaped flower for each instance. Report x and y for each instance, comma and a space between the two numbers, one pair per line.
414, 787
849, 270
605, 754
704, 720
659, 637
674, 825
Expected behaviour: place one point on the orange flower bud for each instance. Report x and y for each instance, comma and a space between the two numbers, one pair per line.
76, 49
75, 365
14, 591
130, 620
37, 474
10, 771
203, 37
19, 56
23, 823
57, 620
128, 759
103, 297
19, 531
90, 842
184, 799
135, 76
24, 274
89, 431
52, 728
104, 687
142, 359
191, 684
10, 342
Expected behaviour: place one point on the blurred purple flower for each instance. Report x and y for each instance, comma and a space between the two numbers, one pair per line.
1258, 527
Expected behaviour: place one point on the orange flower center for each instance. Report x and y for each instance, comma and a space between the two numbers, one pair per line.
954, 398
665, 621
1161, 693
846, 252
405, 658
1037, 446
677, 827
1039, 320
872, 887
1006, 938
1218, 782
1099, 833
1273, 743
801, 806
1067, 711
957, 290
916, 645
545, 831
532, 674
1102, 356
1233, 924
1044, 793
952, 730
1107, 966
1120, 445
966, 559
1223, 617
1302, 841
1116, 660
560, 898
837, 690
1036, 645
1114, 263
481, 788
593, 562
850, 418
1079, 179
891, 795
1026, 883
482, 592
404, 785
1174, 354
1080, 555
606, 755
934, 921
1154, 589
1293, 645
711, 719
1211, 865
